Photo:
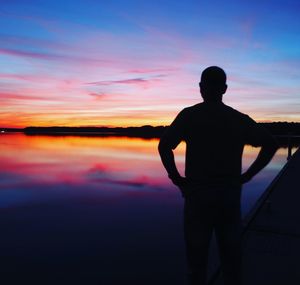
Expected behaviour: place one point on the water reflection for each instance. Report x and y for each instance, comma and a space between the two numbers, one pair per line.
90, 210
105, 166
45, 167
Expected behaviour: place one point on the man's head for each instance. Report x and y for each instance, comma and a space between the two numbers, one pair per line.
213, 84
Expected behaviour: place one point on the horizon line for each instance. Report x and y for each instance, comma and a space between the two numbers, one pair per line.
112, 127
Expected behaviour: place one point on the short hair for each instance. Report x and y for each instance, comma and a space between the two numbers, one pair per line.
213, 75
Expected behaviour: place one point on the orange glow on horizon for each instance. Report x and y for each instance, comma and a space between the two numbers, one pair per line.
110, 123
165, 120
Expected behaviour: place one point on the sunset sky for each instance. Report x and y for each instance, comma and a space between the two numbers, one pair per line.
135, 62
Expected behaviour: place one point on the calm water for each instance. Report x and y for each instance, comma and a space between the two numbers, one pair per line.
98, 210
41, 169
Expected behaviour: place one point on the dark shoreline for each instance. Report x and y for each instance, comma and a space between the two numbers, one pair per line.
286, 133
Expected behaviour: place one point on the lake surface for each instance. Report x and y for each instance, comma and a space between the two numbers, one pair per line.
96, 210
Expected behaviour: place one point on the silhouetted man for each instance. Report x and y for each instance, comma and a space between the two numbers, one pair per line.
215, 135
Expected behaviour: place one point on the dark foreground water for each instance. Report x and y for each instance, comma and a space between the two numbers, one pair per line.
95, 210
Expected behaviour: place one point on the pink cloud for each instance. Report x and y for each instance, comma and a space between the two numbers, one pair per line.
108, 97
98, 96
14, 96
27, 77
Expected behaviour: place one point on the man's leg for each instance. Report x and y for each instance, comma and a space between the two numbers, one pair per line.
228, 233
198, 227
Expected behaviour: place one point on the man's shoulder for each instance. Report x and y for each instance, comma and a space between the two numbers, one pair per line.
233, 111
223, 110
193, 108
236, 114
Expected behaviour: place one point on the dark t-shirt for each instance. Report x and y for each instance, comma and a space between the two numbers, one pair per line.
215, 135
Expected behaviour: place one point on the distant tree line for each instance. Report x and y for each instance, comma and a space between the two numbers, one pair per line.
276, 128
284, 131
283, 128
144, 131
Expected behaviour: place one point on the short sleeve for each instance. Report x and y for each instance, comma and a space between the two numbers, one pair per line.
176, 131
255, 134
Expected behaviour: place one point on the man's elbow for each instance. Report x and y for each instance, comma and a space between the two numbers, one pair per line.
163, 147
271, 145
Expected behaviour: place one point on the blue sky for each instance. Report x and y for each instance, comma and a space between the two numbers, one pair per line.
139, 62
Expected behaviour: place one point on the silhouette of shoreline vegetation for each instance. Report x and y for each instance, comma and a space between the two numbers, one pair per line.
284, 131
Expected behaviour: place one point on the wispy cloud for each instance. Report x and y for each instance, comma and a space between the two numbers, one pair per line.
51, 56
139, 81
98, 96
26, 77
124, 81
12, 40
152, 70
4, 96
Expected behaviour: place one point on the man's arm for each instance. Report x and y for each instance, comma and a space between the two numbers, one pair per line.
169, 141
167, 158
268, 149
